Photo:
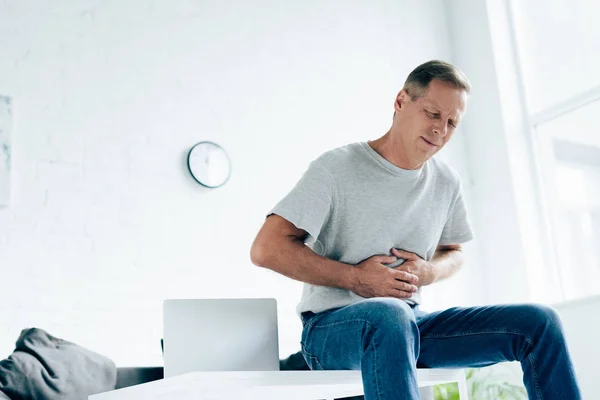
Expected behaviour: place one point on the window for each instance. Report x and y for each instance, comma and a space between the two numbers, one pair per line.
557, 44
569, 154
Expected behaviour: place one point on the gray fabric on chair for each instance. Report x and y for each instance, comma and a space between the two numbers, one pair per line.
49, 368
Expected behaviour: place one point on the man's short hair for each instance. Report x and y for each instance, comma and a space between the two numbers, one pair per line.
418, 80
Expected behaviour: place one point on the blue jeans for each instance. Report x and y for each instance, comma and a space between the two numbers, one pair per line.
387, 340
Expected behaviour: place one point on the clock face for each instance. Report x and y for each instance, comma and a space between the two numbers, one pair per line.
209, 164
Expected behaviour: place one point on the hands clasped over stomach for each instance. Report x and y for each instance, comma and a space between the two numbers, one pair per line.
376, 279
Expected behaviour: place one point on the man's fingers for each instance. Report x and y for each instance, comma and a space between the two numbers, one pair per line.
403, 254
406, 287
385, 259
400, 294
405, 276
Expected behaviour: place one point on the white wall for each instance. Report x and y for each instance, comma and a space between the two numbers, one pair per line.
105, 221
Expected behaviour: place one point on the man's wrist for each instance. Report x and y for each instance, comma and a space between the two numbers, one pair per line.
431, 275
350, 278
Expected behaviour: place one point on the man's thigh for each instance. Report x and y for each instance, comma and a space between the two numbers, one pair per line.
475, 336
336, 339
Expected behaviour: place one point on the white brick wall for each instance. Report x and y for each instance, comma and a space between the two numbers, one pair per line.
105, 222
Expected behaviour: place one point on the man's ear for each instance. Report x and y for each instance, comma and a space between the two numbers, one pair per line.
401, 99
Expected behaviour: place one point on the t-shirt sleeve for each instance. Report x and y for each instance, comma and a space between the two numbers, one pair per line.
308, 205
457, 228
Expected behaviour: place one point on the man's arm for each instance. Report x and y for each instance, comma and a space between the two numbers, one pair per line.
446, 262
279, 246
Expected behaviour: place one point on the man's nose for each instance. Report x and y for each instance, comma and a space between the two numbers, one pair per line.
440, 129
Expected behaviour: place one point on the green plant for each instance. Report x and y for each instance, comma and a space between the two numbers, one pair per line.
483, 384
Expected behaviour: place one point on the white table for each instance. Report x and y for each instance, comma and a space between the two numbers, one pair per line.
268, 385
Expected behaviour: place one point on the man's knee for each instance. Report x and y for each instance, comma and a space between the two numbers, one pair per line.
541, 317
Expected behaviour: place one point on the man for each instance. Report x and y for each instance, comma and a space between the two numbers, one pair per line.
367, 226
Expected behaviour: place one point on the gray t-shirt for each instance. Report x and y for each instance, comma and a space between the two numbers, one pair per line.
355, 204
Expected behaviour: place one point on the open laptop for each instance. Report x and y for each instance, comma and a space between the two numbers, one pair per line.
220, 335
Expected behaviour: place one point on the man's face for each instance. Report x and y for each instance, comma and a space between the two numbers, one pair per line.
425, 125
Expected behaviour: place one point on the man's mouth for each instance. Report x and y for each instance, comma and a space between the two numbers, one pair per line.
429, 143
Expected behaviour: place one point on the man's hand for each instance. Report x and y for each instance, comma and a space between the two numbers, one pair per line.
375, 279
416, 266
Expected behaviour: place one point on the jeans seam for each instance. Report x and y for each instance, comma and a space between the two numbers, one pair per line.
532, 361
340, 323
314, 358
471, 333
377, 374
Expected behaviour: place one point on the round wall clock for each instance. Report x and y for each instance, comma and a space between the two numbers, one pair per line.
209, 164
